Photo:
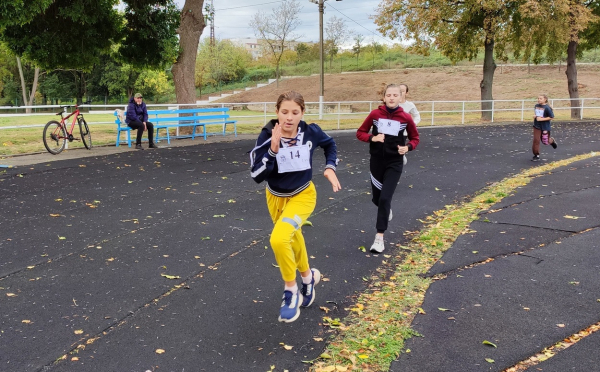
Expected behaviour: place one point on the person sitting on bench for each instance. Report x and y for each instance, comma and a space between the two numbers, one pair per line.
137, 118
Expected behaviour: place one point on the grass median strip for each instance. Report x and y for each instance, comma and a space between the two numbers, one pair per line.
373, 334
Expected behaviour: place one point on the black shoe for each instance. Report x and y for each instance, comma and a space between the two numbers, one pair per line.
553, 144
536, 158
139, 146
153, 146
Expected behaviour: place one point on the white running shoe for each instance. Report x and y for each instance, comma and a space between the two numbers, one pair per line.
391, 216
378, 245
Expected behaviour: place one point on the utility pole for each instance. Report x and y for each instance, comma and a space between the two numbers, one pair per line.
321, 4
209, 11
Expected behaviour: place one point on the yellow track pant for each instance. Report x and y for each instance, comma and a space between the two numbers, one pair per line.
288, 215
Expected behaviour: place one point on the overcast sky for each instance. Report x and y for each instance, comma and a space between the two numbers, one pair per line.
232, 17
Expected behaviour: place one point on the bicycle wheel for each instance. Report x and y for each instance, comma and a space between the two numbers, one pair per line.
55, 137
86, 136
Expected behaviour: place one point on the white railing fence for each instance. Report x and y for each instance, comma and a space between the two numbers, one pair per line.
432, 112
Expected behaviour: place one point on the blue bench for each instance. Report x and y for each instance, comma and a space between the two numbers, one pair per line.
168, 119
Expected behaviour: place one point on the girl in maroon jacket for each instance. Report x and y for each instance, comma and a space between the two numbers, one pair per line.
387, 147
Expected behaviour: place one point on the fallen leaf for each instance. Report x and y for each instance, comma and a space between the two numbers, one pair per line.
363, 356
486, 342
442, 309
489, 360
318, 339
288, 347
78, 331
560, 325
159, 351
26, 321
170, 276
572, 217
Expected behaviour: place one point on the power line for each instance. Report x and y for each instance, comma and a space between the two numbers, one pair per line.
249, 6
381, 37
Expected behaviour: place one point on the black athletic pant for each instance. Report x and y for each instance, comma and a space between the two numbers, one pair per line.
136, 124
384, 179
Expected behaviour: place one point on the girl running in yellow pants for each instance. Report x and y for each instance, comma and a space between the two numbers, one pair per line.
283, 157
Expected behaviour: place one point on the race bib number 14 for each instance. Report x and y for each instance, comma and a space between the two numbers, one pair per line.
293, 159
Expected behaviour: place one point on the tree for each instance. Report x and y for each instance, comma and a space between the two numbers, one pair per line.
336, 33
68, 34
356, 49
21, 12
150, 33
276, 30
190, 28
65, 34
152, 83
457, 28
222, 62
550, 28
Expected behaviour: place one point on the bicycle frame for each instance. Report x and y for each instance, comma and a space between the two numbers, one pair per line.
64, 120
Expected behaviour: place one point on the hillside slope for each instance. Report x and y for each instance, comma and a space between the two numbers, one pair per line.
435, 84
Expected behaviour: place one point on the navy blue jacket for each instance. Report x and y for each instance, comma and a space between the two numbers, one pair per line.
264, 163
136, 112
543, 125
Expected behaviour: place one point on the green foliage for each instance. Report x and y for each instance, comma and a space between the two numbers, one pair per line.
69, 34
6, 75
119, 78
590, 37
221, 63
54, 86
259, 74
21, 12
306, 53
150, 33
152, 83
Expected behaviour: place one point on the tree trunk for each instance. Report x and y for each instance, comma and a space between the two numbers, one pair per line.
489, 66
28, 102
572, 79
190, 29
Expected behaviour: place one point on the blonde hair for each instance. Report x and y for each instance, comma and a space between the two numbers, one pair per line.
544, 95
383, 90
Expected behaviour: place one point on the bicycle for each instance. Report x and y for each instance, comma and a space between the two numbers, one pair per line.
55, 133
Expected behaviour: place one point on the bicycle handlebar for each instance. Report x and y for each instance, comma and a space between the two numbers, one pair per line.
65, 107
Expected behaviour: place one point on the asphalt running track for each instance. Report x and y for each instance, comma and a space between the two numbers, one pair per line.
97, 273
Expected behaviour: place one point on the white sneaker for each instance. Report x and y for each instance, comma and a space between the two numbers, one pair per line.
391, 216
378, 245
404, 160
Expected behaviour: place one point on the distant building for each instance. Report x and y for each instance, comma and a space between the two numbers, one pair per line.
254, 46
